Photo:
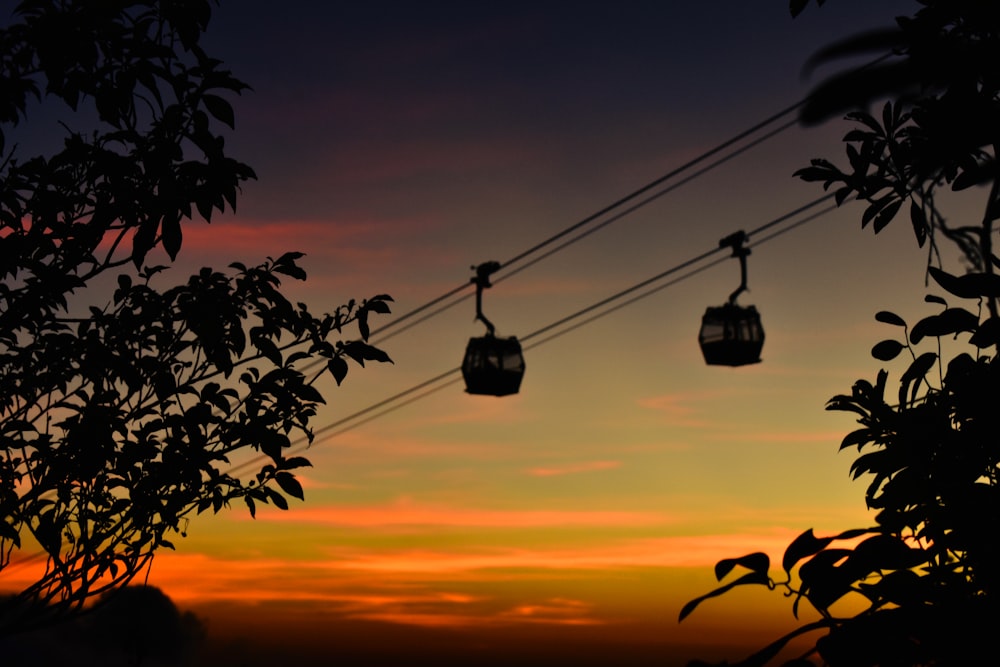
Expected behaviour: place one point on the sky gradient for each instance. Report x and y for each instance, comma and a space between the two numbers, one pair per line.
398, 144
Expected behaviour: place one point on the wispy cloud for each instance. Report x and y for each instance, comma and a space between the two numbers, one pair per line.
573, 468
659, 552
682, 409
555, 611
342, 249
388, 597
348, 240
448, 586
559, 611
406, 512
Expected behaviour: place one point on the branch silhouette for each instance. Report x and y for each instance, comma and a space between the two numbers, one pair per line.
118, 415
927, 573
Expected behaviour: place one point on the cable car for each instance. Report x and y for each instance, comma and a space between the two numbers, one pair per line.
732, 335
492, 366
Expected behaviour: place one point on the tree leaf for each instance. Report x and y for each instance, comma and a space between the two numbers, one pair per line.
803, 546
289, 484
758, 562
886, 215
171, 231
890, 318
307, 392
950, 321
338, 368
295, 462
363, 328
987, 333
858, 438
748, 578
220, 109
292, 270
841, 194
968, 286
289, 257
887, 350
914, 375
883, 552
362, 352
973, 175
267, 348
919, 221
933, 298
276, 498
380, 307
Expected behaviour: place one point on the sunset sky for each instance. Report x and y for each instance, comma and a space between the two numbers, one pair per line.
400, 143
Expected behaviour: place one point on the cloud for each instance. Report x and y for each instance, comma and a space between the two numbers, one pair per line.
683, 409
558, 611
406, 512
449, 586
348, 240
658, 552
309, 482
200, 579
573, 468
345, 572
486, 613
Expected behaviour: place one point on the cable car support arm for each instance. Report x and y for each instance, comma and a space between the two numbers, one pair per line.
482, 281
736, 241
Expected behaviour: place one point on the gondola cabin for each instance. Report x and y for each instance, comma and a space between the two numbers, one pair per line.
731, 335
493, 366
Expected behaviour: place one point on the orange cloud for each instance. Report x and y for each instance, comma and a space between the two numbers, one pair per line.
347, 241
345, 249
445, 587
682, 409
201, 579
463, 564
664, 552
355, 447
407, 512
309, 482
557, 611
574, 468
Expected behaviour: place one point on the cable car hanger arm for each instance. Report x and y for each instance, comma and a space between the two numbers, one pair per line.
736, 241
482, 280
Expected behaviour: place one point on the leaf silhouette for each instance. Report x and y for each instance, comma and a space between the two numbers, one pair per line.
887, 350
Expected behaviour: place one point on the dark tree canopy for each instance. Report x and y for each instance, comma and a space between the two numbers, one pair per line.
136, 625
928, 571
121, 410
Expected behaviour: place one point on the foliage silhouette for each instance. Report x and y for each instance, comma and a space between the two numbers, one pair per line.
135, 625
928, 571
119, 417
